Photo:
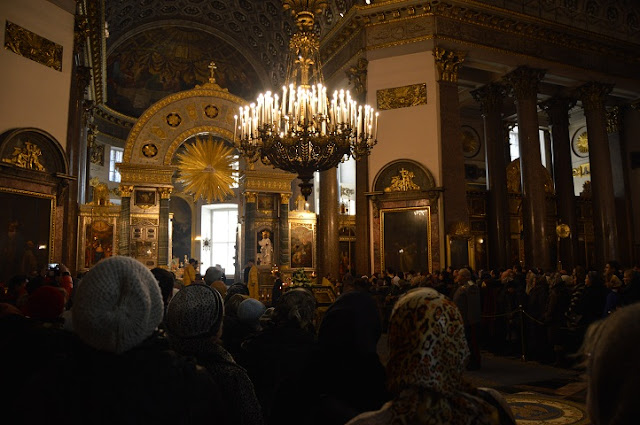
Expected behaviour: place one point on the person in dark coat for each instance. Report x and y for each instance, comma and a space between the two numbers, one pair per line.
536, 308
281, 350
194, 327
559, 299
344, 376
276, 290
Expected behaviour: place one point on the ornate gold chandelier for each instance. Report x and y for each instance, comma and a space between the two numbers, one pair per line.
302, 131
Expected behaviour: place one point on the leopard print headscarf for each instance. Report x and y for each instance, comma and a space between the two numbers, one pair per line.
428, 354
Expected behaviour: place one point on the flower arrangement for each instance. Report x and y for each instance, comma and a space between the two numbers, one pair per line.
300, 278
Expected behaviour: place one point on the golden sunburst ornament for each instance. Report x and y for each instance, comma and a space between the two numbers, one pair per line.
206, 169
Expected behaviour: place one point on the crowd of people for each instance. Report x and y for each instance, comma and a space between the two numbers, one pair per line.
125, 344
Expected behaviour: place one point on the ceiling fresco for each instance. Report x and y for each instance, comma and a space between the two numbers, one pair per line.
159, 62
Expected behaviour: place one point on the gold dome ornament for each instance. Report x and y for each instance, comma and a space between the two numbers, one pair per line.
206, 169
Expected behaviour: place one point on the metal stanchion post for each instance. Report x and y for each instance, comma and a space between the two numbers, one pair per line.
524, 358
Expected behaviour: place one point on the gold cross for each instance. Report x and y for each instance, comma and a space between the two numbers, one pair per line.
212, 66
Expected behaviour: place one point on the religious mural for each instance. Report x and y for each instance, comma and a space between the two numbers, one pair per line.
181, 239
405, 239
265, 248
98, 242
301, 246
142, 71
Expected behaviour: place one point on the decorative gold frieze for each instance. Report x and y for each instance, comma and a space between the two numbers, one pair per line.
126, 190
448, 63
27, 157
146, 174
402, 97
27, 44
402, 182
262, 181
582, 170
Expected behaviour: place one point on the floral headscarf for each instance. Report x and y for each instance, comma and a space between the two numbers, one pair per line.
428, 353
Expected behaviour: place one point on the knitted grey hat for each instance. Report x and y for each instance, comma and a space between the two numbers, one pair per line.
250, 311
195, 312
117, 305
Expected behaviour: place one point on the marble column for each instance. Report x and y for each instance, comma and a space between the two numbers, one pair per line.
283, 224
491, 98
604, 215
557, 109
163, 227
327, 240
524, 82
251, 209
452, 166
363, 237
125, 218
621, 192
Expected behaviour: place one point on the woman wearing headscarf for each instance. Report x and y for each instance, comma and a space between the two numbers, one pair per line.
344, 376
428, 354
194, 326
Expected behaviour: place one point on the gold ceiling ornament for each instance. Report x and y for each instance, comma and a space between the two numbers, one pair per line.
206, 169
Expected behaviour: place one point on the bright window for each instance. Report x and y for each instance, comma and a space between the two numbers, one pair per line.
218, 240
114, 157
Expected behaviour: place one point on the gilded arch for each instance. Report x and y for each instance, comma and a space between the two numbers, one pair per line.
163, 127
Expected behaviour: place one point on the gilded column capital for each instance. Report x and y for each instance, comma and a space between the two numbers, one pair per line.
165, 192
357, 75
614, 120
126, 190
490, 97
593, 94
284, 198
523, 81
251, 197
557, 109
448, 63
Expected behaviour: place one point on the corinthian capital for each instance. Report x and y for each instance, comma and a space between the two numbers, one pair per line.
524, 81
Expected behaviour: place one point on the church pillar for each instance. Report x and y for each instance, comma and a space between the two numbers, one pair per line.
125, 218
327, 241
283, 224
491, 98
524, 82
363, 237
604, 215
163, 228
251, 209
452, 166
557, 109
615, 128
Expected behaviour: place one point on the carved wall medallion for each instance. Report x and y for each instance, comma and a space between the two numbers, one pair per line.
470, 141
402, 97
173, 119
150, 150
580, 144
32, 46
211, 111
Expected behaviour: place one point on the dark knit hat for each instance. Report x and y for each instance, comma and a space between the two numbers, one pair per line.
117, 305
250, 311
46, 303
195, 312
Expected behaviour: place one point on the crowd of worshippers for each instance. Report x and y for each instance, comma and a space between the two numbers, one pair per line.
540, 315
128, 345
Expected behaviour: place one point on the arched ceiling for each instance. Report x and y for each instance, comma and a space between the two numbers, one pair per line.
160, 61
247, 39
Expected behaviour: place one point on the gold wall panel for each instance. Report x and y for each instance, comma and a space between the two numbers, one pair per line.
30, 45
402, 97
